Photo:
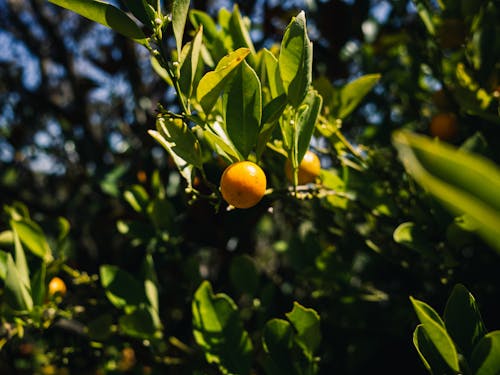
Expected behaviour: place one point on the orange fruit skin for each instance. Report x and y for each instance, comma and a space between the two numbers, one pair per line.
243, 184
57, 285
309, 168
444, 126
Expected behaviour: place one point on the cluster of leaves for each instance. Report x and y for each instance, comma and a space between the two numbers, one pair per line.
329, 253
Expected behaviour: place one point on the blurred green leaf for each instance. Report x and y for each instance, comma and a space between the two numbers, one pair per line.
21, 263
410, 235
100, 328
435, 329
121, 288
3, 264
295, 60
32, 236
485, 359
180, 9
38, 287
353, 93
243, 109
218, 330
137, 197
199, 18
307, 325
212, 83
105, 14
463, 320
452, 176
139, 323
244, 275
17, 293
6, 238
277, 340
240, 35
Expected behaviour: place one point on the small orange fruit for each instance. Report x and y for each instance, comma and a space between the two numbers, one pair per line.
309, 168
243, 184
57, 286
444, 126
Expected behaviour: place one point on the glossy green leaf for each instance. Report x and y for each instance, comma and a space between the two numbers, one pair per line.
121, 288
271, 75
309, 111
17, 293
218, 330
463, 320
32, 236
277, 340
244, 275
38, 285
306, 322
105, 14
435, 329
189, 64
353, 93
270, 117
180, 9
137, 197
243, 109
452, 176
179, 141
199, 18
428, 353
240, 35
295, 60
222, 146
160, 70
141, 10
485, 359
212, 83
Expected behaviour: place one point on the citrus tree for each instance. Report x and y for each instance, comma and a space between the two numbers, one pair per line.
278, 241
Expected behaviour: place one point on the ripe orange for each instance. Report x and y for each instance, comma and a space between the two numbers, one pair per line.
57, 286
309, 168
444, 126
243, 184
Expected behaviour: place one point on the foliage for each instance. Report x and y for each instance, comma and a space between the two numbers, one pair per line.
315, 277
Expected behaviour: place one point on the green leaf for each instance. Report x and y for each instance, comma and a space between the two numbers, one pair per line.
306, 323
17, 293
38, 287
426, 16
243, 109
141, 10
161, 213
212, 83
240, 34
410, 235
271, 74
139, 323
180, 9
428, 353
21, 264
270, 117
189, 64
199, 18
218, 330
452, 176
121, 288
485, 359
435, 329
32, 236
277, 340
3, 264
244, 275
295, 60
105, 14
463, 320
137, 197
306, 122
222, 146
353, 93
99, 329
6, 238
151, 282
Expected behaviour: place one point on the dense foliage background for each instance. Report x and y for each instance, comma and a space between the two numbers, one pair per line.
76, 101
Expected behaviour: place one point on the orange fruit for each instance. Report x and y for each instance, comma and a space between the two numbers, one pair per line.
444, 126
243, 184
57, 286
309, 168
